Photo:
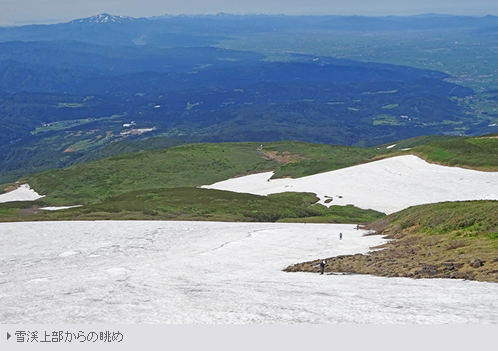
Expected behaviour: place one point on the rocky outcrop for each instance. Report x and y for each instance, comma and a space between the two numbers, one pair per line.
476, 263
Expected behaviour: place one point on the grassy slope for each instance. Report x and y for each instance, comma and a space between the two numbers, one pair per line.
102, 182
198, 164
189, 166
199, 204
115, 188
182, 166
476, 153
430, 241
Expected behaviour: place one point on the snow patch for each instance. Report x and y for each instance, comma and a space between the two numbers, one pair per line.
22, 193
388, 185
53, 208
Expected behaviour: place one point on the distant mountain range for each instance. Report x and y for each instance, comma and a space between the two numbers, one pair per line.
188, 30
68, 90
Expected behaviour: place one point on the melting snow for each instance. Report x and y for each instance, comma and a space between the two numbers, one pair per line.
53, 208
206, 272
23, 193
388, 185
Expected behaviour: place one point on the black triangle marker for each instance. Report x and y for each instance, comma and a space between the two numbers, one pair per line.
8, 336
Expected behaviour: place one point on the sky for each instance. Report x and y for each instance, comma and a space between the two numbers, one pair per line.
19, 12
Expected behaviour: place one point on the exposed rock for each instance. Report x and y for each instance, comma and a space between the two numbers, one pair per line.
397, 261
476, 263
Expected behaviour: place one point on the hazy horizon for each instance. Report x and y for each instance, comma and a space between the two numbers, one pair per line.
24, 12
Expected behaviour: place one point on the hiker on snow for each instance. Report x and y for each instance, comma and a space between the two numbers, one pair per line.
322, 266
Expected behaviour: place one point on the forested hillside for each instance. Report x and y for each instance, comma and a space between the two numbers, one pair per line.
68, 95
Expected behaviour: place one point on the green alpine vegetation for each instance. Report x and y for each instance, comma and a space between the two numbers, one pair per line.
190, 166
477, 152
194, 204
200, 164
118, 187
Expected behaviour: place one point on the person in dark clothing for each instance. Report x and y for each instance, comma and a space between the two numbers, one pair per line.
340, 235
322, 266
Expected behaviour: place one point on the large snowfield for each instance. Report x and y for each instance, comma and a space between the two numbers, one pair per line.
160, 272
388, 185
200, 272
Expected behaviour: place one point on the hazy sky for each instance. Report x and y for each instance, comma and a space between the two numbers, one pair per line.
45, 11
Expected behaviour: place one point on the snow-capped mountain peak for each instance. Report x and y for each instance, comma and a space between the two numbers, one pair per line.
104, 18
